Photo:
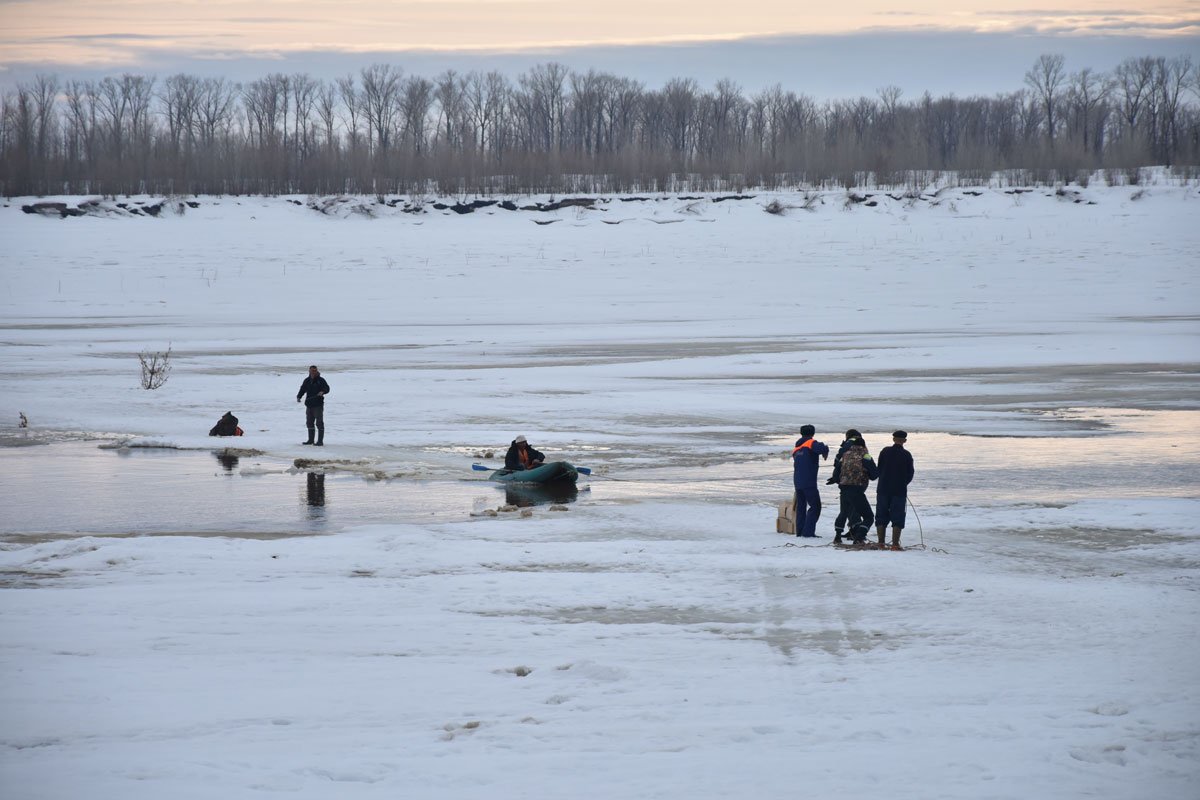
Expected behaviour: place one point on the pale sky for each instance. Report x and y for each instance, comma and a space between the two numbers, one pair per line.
667, 37
118, 31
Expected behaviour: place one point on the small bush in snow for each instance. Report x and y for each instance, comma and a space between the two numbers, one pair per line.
156, 368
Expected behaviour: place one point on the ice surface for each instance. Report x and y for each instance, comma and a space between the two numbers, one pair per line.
658, 639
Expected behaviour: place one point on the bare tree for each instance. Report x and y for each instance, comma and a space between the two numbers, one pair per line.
415, 103
679, 97
1046, 78
380, 93
1171, 79
1087, 95
304, 95
448, 89
45, 98
351, 106
326, 105
179, 99
81, 124
1133, 78
215, 109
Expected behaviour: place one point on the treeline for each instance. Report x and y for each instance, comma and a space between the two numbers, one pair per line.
553, 129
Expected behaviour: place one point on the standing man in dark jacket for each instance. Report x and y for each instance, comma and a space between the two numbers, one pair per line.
315, 387
521, 456
895, 474
805, 460
853, 470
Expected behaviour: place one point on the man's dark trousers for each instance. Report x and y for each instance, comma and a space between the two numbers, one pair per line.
807, 496
314, 416
856, 510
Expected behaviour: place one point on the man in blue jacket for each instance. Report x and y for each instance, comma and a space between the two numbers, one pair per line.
895, 474
804, 477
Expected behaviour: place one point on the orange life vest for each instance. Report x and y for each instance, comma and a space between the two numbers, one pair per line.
805, 446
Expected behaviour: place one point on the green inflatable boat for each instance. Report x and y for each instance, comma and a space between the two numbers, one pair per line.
555, 472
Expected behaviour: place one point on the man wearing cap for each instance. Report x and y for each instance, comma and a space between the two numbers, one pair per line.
895, 474
521, 456
805, 461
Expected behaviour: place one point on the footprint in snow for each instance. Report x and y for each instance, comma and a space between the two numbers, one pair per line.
520, 672
452, 729
1110, 710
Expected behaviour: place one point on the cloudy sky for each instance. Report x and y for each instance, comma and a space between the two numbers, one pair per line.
964, 46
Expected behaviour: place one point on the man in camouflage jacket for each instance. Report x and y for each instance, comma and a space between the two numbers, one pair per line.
853, 471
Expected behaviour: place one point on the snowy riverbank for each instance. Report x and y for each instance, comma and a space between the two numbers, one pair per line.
645, 651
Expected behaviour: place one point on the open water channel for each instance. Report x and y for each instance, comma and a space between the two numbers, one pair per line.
72, 488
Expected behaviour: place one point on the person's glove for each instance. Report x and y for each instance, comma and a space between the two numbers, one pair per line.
830, 481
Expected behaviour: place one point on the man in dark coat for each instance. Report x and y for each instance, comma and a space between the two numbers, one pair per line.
839, 523
895, 474
521, 456
853, 470
806, 461
226, 426
314, 390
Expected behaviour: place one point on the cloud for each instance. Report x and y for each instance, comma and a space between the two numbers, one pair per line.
1183, 26
277, 21
87, 37
1064, 12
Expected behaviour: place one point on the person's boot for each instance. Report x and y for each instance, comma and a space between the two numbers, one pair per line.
310, 437
837, 536
896, 538
320, 438
882, 538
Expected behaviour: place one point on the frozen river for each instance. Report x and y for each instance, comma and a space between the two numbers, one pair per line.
175, 623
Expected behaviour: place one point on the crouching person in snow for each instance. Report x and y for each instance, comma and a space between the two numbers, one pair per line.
521, 456
314, 390
895, 474
226, 426
805, 461
853, 470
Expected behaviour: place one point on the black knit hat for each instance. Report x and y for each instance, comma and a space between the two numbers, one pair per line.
899, 435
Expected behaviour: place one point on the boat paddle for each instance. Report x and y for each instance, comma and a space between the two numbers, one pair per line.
485, 468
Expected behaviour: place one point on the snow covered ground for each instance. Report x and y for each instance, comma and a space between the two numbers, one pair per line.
658, 639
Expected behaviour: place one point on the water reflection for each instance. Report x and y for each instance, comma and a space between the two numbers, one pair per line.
315, 490
1140, 453
527, 495
227, 460
75, 486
